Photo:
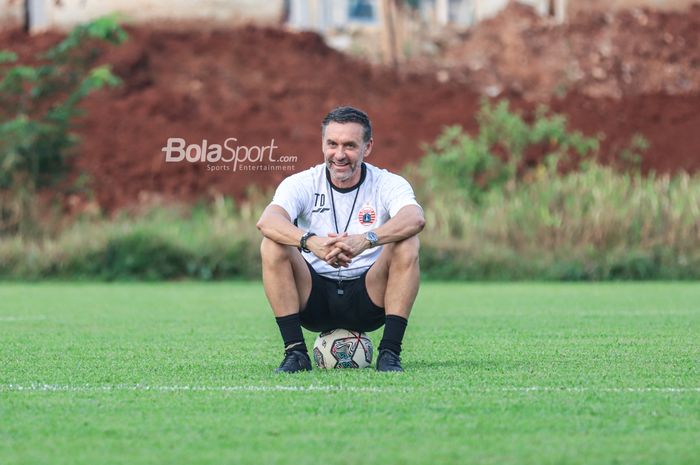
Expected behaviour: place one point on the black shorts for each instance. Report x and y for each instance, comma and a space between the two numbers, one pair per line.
353, 310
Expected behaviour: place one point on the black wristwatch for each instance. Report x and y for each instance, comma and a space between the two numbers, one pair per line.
302, 242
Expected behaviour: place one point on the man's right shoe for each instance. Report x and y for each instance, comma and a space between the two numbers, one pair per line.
388, 360
294, 361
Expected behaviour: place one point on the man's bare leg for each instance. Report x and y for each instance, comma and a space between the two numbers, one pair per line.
286, 278
394, 279
287, 283
393, 283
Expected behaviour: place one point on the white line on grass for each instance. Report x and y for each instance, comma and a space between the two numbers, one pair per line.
185, 388
35, 387
22, 318
595, 389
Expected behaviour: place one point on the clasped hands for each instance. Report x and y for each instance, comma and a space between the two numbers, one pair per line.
338, 250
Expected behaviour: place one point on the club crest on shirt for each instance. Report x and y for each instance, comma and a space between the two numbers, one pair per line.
367, 215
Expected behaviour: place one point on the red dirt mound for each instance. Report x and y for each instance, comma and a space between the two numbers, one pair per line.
630, 52
252, 84
669, 122
258, 84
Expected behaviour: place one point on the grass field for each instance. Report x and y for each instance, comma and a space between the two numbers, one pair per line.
495, 374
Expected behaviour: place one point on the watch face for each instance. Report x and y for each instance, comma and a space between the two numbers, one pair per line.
372, 237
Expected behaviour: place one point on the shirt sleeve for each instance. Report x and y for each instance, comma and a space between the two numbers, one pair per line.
397, 193
292, 195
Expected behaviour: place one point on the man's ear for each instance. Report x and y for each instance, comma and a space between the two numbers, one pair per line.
369, 146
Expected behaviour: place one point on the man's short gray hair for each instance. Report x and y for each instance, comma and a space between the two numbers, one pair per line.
346, 114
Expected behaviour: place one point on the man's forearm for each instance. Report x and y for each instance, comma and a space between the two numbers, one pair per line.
278, 228
408, 222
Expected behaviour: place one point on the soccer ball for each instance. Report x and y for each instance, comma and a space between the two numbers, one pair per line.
341, 348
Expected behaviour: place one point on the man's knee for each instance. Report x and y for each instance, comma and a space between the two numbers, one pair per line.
272, 252
406, 252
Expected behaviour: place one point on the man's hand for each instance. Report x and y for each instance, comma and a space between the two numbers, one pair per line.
347, 247
324, 247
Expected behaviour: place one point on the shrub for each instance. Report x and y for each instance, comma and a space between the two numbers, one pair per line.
496, 157
37, 106
491, 215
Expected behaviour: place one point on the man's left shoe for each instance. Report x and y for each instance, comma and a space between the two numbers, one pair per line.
388, 360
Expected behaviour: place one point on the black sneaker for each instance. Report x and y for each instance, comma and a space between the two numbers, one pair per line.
294, 361
388, 360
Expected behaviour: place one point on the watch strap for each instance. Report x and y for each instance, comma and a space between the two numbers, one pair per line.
304, 238
371, 238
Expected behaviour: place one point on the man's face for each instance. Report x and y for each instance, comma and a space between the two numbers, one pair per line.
344, 151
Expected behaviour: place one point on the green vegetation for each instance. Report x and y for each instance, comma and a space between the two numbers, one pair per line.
37, 107
205, 242
458, 164
496, 374
491, 214
586, 225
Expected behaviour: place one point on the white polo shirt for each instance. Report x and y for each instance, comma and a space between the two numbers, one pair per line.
317, 206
